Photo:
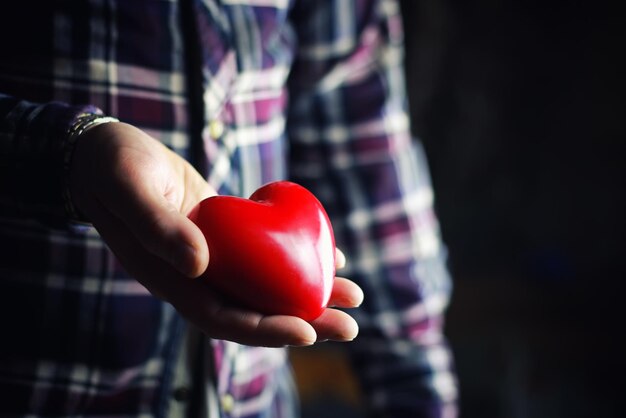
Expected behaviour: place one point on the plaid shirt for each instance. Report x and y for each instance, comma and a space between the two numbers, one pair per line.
249, 91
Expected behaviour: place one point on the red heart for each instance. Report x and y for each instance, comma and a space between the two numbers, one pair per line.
273, 252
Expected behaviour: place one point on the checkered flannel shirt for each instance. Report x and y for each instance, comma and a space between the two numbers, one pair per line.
249, 91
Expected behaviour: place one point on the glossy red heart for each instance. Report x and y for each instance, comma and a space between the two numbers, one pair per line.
273, 252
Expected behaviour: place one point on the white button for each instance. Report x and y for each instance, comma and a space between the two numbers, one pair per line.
216, 129
228, 402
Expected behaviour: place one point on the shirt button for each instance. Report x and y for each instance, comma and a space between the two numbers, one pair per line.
228, 402
181, 394
216, 129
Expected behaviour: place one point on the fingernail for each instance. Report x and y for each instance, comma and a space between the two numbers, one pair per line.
301, 343
340, 259
348, 335
360, 298
343, 338
304, 340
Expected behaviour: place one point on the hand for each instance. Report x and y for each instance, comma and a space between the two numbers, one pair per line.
130, 186
137, 193
221, 320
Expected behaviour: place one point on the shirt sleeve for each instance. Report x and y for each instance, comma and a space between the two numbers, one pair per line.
350, 144
32, 139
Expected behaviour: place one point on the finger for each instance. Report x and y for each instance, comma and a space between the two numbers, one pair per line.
222, 320
194, 299
345, 294
340, 259
335, 325
252, 328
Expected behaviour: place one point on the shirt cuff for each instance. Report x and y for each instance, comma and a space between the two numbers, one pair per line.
33, 139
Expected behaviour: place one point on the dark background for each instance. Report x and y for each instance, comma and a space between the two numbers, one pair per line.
519, 105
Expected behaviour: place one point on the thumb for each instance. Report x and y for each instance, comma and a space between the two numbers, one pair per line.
173, 237
162, 229
146, 187
158, 224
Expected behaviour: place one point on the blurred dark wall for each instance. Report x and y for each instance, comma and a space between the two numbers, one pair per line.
520, 107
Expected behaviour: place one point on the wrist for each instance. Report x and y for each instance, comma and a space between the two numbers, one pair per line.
81, 124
